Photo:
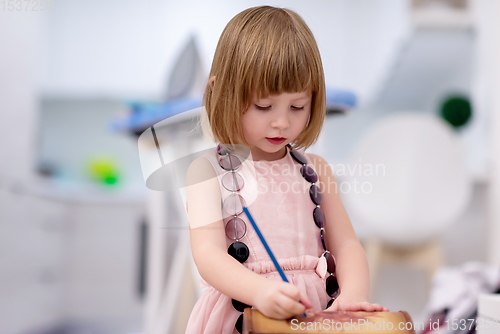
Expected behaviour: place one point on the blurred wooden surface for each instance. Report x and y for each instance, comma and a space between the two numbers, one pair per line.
255, 322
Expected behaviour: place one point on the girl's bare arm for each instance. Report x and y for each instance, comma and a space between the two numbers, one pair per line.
352, 266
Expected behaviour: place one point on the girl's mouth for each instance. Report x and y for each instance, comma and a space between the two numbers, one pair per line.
276, 140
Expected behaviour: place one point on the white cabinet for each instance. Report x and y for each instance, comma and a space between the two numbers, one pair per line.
31, 236
101, 266
66, 262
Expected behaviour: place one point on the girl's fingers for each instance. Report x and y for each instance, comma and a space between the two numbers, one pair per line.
369, 307
279, 309
298, 297
352, 307
305, 300
291, 291
289, 305
361, 307
378, 307
282, 313
374, 307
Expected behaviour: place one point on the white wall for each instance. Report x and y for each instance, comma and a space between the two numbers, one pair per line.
29, 252
40, 281
122, 47
488, 90
19, 63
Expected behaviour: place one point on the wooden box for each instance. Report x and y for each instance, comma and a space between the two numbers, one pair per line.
400, 322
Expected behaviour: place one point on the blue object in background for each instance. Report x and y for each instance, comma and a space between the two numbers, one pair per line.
338, 100
143, 115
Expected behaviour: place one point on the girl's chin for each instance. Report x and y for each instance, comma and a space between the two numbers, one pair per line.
267, 149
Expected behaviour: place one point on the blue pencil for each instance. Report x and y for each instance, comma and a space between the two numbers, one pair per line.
266, 246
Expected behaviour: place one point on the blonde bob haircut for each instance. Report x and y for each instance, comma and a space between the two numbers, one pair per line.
263, 51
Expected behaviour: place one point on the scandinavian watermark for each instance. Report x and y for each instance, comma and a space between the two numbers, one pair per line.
347, 178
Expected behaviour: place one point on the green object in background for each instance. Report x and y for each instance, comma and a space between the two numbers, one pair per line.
456, 110
104, 170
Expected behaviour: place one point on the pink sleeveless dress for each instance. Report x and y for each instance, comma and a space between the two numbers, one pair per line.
278, 198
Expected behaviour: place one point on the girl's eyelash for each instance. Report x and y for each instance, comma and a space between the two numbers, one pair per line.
261, 108
267, 108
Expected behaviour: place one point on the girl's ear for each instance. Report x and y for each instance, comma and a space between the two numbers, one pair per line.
211, 82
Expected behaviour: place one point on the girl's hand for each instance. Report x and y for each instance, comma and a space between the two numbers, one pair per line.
346, 303
280, 300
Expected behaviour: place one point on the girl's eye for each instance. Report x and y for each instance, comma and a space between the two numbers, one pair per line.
267, 108
262, 108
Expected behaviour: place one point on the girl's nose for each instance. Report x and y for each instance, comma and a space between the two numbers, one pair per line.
280, 121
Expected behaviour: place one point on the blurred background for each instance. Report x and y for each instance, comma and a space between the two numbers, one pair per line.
86, 247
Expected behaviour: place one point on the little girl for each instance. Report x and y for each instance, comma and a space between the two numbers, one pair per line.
266, 93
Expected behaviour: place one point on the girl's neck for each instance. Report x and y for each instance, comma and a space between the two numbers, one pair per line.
259, 155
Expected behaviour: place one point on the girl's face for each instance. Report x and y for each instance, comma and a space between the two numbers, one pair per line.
284, 115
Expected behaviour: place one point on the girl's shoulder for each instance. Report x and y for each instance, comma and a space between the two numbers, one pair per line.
316, 159
202, 168
320, 165
202, 193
